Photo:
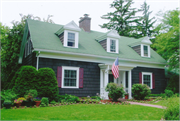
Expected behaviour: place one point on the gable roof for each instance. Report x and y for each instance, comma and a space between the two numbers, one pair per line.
44, 36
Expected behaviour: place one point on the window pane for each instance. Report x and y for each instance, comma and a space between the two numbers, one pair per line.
71, 39
145, 50
112, 45
69, 77
147, 80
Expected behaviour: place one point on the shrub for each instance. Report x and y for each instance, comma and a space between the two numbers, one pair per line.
25, 80
115, 91
68, 98
44, 102
8, 95
173, 82
30, 94
53, 102
172, 111
140, 91
47, 83
168, 93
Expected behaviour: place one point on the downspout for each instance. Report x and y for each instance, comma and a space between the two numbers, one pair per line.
37, 63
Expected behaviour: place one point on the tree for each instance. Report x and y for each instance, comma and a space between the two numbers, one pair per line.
11, 49
146, 23
122, 19
167, 41
4, 30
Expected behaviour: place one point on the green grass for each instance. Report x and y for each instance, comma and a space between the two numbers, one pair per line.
161, 102
84, 112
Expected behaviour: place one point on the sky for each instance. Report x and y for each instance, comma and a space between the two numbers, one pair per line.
64, 11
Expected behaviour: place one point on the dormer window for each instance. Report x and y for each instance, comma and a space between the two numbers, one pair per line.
69, 35
71, 39
112, 45
145, 50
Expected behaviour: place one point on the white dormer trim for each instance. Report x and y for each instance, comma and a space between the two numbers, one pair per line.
72, 26
113, 34
146, 41
66, 38
142, 50
108, 45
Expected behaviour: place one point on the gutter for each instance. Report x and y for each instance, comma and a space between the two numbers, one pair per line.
103, 57
37, 63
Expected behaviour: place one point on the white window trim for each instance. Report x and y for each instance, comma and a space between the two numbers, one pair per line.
66, 38
142, 50
77, 76
108, 45
147, 73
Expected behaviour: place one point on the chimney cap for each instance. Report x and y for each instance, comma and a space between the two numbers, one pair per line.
86, 15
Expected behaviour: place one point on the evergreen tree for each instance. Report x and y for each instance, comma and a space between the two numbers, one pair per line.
123, 19
146, 24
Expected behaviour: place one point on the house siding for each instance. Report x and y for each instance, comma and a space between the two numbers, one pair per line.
104, 44
61, 37
30, 60
137, 49
91, 81
160, 82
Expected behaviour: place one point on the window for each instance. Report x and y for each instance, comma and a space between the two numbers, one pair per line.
71, 39
113, 45
70, 77
147, 79
145, 50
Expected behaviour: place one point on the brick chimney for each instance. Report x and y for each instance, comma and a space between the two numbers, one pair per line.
85, 23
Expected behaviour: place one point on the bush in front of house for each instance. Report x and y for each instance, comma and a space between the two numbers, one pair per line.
25, 79
168, 93
67, 98
46, 83
44, 102
115, 91
172, 110
140, 91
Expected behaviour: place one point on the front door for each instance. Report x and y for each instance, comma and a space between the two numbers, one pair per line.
111, 78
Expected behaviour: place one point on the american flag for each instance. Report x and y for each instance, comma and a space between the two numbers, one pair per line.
115, 68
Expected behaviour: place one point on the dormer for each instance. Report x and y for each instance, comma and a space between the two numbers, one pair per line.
142, 47
110, 41
69, 35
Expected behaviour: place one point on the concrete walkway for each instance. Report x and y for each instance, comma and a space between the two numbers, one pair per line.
144, 104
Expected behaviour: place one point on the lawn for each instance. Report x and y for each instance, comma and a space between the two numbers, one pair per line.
84, 112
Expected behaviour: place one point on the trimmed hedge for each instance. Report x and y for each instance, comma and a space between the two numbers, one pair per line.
43, 80
25, 80
47, 83
140, 91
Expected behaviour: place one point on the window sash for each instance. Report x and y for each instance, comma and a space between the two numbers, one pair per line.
145, 48
113, 45
70, 78
147, 79
71, 39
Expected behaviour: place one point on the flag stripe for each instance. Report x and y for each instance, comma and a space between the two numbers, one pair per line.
115, 69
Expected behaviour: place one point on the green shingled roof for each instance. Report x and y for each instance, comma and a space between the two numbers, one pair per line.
44, 36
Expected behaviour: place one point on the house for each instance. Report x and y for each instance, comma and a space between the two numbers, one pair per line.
82, 58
